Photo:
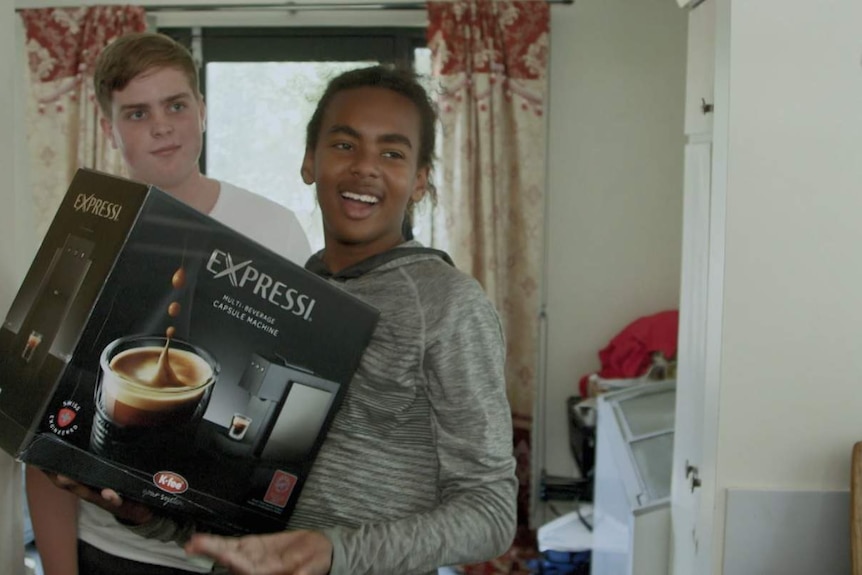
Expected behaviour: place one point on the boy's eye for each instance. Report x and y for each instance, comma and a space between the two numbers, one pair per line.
178, 106
393, 154
135, 115
342, 146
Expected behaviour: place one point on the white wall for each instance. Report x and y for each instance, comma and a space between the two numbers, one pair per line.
791, 371
7, 147
11, 527
615, 185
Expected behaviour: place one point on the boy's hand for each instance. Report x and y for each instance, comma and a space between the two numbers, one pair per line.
288, 553
129, 512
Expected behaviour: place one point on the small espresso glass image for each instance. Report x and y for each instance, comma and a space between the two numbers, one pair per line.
146, 400
239, 425
33, 341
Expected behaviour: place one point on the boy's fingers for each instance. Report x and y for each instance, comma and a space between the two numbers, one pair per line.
206, 545
112, 497
107, 499
62, 481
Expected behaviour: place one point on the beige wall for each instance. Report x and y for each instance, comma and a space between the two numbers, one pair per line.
793, 292
18, 244
11, 528
615, 184
7, 147
791, 371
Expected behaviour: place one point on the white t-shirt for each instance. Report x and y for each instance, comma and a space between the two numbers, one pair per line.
274, 227
269, 224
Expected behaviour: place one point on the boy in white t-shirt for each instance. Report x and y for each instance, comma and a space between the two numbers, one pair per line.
153, 112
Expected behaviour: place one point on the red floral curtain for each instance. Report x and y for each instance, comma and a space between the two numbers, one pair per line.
63, 118
490, 62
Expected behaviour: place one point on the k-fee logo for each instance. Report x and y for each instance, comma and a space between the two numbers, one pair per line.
170, 482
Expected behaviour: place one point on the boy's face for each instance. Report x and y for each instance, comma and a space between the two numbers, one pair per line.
365, 168
157, 123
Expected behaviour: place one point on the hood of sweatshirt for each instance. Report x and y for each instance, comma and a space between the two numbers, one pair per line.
409, 250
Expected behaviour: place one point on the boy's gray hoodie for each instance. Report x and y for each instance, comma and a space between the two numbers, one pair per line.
417, 470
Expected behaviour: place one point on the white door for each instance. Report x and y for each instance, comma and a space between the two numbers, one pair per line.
700, 307
691, 368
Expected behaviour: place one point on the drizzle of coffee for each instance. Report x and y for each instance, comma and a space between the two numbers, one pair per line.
165, 376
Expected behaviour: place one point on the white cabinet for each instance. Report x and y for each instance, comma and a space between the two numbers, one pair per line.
701, 292
700, 69
631, 505
691, 354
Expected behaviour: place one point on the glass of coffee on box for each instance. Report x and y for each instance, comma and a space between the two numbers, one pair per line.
239, 424
151, 394
33, 341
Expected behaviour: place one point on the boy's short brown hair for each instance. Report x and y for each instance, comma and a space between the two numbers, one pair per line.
133, 54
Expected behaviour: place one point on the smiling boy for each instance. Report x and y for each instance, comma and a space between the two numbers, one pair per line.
417, 470
364, 166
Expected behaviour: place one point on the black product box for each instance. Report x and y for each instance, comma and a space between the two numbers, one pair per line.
223, 426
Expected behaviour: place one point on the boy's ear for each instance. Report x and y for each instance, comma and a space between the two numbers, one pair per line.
421, 184
203, 108
307, 169
108, 130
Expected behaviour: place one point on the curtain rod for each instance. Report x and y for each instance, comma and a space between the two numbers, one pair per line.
301, 6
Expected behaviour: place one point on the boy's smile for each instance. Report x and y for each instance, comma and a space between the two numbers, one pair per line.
365, 170
157, 123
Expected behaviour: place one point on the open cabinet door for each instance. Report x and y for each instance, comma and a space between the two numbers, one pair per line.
701, 295
691, 455
691, 368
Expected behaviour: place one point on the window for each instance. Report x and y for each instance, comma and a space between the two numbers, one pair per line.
261, 86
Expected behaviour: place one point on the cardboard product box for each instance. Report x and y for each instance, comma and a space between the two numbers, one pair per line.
222, 427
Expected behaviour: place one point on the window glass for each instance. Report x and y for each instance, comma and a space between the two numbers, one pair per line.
256, 118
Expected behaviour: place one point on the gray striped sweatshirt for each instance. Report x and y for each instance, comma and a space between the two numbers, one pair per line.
417, 470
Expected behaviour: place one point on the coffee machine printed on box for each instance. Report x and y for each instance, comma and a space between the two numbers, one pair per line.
173, 359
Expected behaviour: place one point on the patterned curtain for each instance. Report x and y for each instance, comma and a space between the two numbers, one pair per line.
490, 61
63, 117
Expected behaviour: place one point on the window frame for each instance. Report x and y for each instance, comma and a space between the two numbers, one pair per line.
394, 45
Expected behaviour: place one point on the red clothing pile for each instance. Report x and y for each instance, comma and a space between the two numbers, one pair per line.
629, 353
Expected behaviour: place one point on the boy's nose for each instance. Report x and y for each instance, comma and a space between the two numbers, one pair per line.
365, 164
161, 127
